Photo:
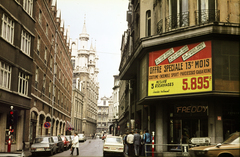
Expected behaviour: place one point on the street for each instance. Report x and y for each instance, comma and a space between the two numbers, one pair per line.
88, 148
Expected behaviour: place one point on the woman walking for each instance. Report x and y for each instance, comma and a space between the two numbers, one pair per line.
75, 144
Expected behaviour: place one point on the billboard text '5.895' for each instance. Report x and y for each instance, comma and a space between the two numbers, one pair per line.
179, 70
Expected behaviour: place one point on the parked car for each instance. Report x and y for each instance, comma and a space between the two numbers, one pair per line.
65, 142
229, 148
58, 141
81, 137
43, 145
113, 145
69, 138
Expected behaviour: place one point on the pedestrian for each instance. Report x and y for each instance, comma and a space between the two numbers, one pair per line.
125, 143
136, 142
141, 148
147, 140
130, 144
75, 144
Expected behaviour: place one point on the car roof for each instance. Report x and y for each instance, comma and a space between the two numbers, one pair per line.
113, 137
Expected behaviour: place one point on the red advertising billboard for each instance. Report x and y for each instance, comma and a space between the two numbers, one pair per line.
182, 69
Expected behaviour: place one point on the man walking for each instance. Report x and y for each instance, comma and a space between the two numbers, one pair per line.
75, 144
136, 142
130, 144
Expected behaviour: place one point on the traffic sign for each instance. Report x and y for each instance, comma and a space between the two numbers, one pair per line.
47, 125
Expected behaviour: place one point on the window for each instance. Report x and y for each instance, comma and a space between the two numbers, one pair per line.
49, 89
148, 23
25, 42
51, 62
44, 83
38, 45
23, 83
47, 29
40, 17
28, 6
178, 14
5, 75
36, 77
45, 55
7, 29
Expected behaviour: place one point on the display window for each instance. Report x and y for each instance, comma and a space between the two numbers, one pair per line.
186, 122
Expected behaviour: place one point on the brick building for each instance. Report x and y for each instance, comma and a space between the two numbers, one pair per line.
52, 74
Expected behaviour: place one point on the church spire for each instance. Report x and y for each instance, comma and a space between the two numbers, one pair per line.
84, 30
84, 37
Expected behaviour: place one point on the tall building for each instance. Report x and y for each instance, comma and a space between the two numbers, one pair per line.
17, 35
115, 99
103, 123
51, 90
181, 61
85, 78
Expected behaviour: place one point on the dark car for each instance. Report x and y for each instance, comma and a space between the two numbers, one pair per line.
66, 142
69, 138
58, 141
229, 148
43, 145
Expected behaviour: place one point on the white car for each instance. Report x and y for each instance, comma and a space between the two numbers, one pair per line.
81, 137
113, 145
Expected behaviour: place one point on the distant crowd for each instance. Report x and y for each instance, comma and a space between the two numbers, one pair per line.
135, 142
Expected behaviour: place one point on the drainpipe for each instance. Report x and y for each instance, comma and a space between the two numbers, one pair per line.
53, 84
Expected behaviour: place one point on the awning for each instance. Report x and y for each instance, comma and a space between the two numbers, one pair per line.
69, 126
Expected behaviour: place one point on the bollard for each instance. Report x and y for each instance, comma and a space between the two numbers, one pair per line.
153, 144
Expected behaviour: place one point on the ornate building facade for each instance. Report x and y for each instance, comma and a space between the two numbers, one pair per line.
85, 79
180, 70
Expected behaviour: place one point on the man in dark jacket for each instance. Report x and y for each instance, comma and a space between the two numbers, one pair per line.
136, 142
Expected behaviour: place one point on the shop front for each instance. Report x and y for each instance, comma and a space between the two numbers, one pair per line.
187, 121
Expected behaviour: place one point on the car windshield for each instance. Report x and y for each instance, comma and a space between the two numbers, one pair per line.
41, 140
232, 139
80, 135
55, 139
113, 140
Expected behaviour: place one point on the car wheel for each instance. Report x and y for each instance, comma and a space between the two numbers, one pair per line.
51, 153
104, 154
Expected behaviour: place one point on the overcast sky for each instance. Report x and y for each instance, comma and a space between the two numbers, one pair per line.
105, 23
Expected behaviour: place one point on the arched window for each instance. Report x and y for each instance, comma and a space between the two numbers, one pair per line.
148, 23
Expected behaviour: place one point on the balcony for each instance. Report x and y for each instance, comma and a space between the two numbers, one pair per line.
206, 16
179, 21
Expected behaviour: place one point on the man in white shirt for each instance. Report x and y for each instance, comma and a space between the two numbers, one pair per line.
75, 144
130, 144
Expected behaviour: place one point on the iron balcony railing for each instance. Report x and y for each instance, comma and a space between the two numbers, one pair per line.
205, 16
177, 21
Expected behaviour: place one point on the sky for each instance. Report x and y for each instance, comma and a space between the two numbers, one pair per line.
105, 23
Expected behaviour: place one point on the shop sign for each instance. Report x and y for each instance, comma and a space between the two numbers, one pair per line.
200, 140
193, 110
182, 69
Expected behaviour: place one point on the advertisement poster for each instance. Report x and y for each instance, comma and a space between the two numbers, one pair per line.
179, 70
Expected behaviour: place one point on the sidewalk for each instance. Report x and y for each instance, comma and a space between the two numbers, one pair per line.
25, 153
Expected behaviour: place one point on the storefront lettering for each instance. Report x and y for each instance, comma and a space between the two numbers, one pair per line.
192, 109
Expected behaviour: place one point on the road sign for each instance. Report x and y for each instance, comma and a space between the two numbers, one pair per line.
47, 125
